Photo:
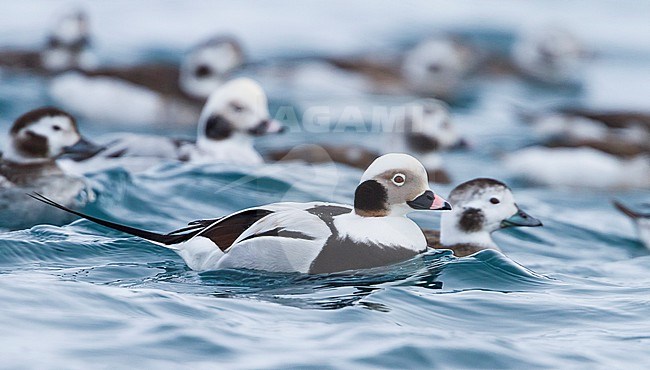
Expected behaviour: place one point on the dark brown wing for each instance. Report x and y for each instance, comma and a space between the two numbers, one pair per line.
228, 229
22, 59
163, 78
354, 156
614, 147
614, 119
382, 73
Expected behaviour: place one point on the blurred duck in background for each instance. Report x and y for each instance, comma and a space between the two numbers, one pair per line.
578, 167
582, 147
641, 222
67, 47
424, 130
552, 56
620, 133
479, 208
436, 68
233, 116
28, 163
152, 93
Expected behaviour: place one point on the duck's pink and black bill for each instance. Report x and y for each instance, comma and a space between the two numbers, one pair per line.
429, 200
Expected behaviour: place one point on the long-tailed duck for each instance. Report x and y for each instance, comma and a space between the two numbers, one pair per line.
641, 222
154, 93
578, 167
311, 237
436, 67
28, 163
233, 116
624, 134
551, 56
424, 130
67, 47
480, 207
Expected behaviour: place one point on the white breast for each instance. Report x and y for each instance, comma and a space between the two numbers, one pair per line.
394, 231
233, 151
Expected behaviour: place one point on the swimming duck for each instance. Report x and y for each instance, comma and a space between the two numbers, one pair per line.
153, 93
37, 139
552, 56
67, 47
425, 129
233, 116
624, 134
480, 207
641, 222
578, 167
435, 67
311, 237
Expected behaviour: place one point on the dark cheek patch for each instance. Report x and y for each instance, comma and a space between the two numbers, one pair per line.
33, 145
218, 128
370, 199
471, 220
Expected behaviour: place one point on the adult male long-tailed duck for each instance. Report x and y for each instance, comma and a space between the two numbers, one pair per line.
480, 207
424, 130
311, 237
233, 116
28, 163
641, 222
153, 93
67, 47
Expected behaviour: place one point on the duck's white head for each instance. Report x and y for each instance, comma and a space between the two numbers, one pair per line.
436, 66
553, 54
68, 44
481, 206
238, 110
207, 66
394, 185
44, 134
428, 127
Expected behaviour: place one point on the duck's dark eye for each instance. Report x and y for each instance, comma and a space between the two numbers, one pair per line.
399, 179
202, 71
434, 68
494, 201
237, 107
56, 128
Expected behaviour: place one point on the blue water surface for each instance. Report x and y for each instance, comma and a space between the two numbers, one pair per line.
573, 294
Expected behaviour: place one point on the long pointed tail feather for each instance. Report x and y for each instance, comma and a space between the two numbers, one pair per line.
169, 239
629, 212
